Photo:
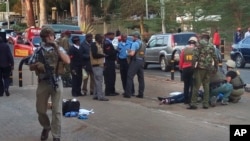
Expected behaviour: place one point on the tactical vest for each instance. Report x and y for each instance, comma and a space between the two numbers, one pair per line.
98, 61
52, 58
217, 77
140, 53
188, 54
237, 81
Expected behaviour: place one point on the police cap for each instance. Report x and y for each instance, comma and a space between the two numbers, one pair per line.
136, 34
230, 63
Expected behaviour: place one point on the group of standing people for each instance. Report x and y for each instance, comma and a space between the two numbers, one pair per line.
239, 35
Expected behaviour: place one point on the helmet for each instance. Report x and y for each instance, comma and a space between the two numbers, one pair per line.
193, 39
46, 31
136, 33
230, 63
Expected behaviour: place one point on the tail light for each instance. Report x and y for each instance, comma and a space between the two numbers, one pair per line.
172, 41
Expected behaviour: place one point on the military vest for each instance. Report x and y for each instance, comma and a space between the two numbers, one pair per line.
217, 77
237, 81
188, 54
140, 53
52, 58
95, 61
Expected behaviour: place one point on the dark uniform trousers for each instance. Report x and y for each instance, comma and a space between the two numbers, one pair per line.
124, 72
4, 79
76, 73
109, 76
187, 76
135, 67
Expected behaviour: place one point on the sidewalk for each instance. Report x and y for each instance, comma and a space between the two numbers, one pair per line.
122, 119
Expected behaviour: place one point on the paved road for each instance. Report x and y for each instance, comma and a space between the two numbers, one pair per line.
122, 119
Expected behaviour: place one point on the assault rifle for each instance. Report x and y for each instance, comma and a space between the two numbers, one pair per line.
49, 70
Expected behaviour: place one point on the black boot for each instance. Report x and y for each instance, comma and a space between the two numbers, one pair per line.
7, 93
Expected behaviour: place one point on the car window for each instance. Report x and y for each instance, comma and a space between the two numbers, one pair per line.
160, 42
152, 43
165, 41
182, 39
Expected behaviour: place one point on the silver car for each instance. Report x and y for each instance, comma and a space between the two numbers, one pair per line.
161, 46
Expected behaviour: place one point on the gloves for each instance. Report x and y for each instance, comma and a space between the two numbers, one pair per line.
54, 45
40, 67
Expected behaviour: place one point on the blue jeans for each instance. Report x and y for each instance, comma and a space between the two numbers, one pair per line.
225, 88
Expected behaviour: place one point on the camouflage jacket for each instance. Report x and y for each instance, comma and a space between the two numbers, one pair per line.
205, 56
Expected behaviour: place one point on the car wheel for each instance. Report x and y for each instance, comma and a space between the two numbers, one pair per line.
164, 64
240, 62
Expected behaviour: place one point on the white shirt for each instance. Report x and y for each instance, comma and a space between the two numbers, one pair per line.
247, 34
76, 46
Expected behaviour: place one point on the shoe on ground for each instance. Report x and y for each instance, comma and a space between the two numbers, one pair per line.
205, 107
45, 134
111, 94
139, 96
91, 93
224, 102
103, 99
95, 98
7, 93
213, 101
126, 96
56, 139
192, 107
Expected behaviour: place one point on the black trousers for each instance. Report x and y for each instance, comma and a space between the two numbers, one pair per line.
187, 76
124, 72
135, 68
109, 76
4, 79
76, 73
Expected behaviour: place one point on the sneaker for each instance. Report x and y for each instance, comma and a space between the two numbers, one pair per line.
224, 102
213, 101
164, 101
56, 139
192, 107
45, 134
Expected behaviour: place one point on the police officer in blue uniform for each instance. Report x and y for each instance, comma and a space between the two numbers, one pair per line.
136, 63
124, 45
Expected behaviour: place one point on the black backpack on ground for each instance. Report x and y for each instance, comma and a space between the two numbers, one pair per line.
70, 105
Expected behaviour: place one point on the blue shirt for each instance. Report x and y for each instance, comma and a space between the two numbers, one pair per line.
136, 45
122, 48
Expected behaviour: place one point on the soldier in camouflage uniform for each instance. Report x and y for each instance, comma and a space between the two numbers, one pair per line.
47, 63
205, 62
64, 42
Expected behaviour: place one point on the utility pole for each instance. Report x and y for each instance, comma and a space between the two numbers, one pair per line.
146, 1
8, 13
78, 12
163, 16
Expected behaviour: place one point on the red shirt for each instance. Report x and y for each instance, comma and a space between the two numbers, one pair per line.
216, 39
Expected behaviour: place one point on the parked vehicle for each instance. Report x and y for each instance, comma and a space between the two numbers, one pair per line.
161, 46
241, 52
23, 47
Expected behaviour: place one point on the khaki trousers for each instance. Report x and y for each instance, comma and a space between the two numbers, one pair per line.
43, 93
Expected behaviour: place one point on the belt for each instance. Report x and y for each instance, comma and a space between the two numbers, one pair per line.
238, 87
96, 65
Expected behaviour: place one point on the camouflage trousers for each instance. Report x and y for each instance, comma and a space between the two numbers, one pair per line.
236, 95
201, 76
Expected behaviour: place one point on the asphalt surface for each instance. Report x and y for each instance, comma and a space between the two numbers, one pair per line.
122, 119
